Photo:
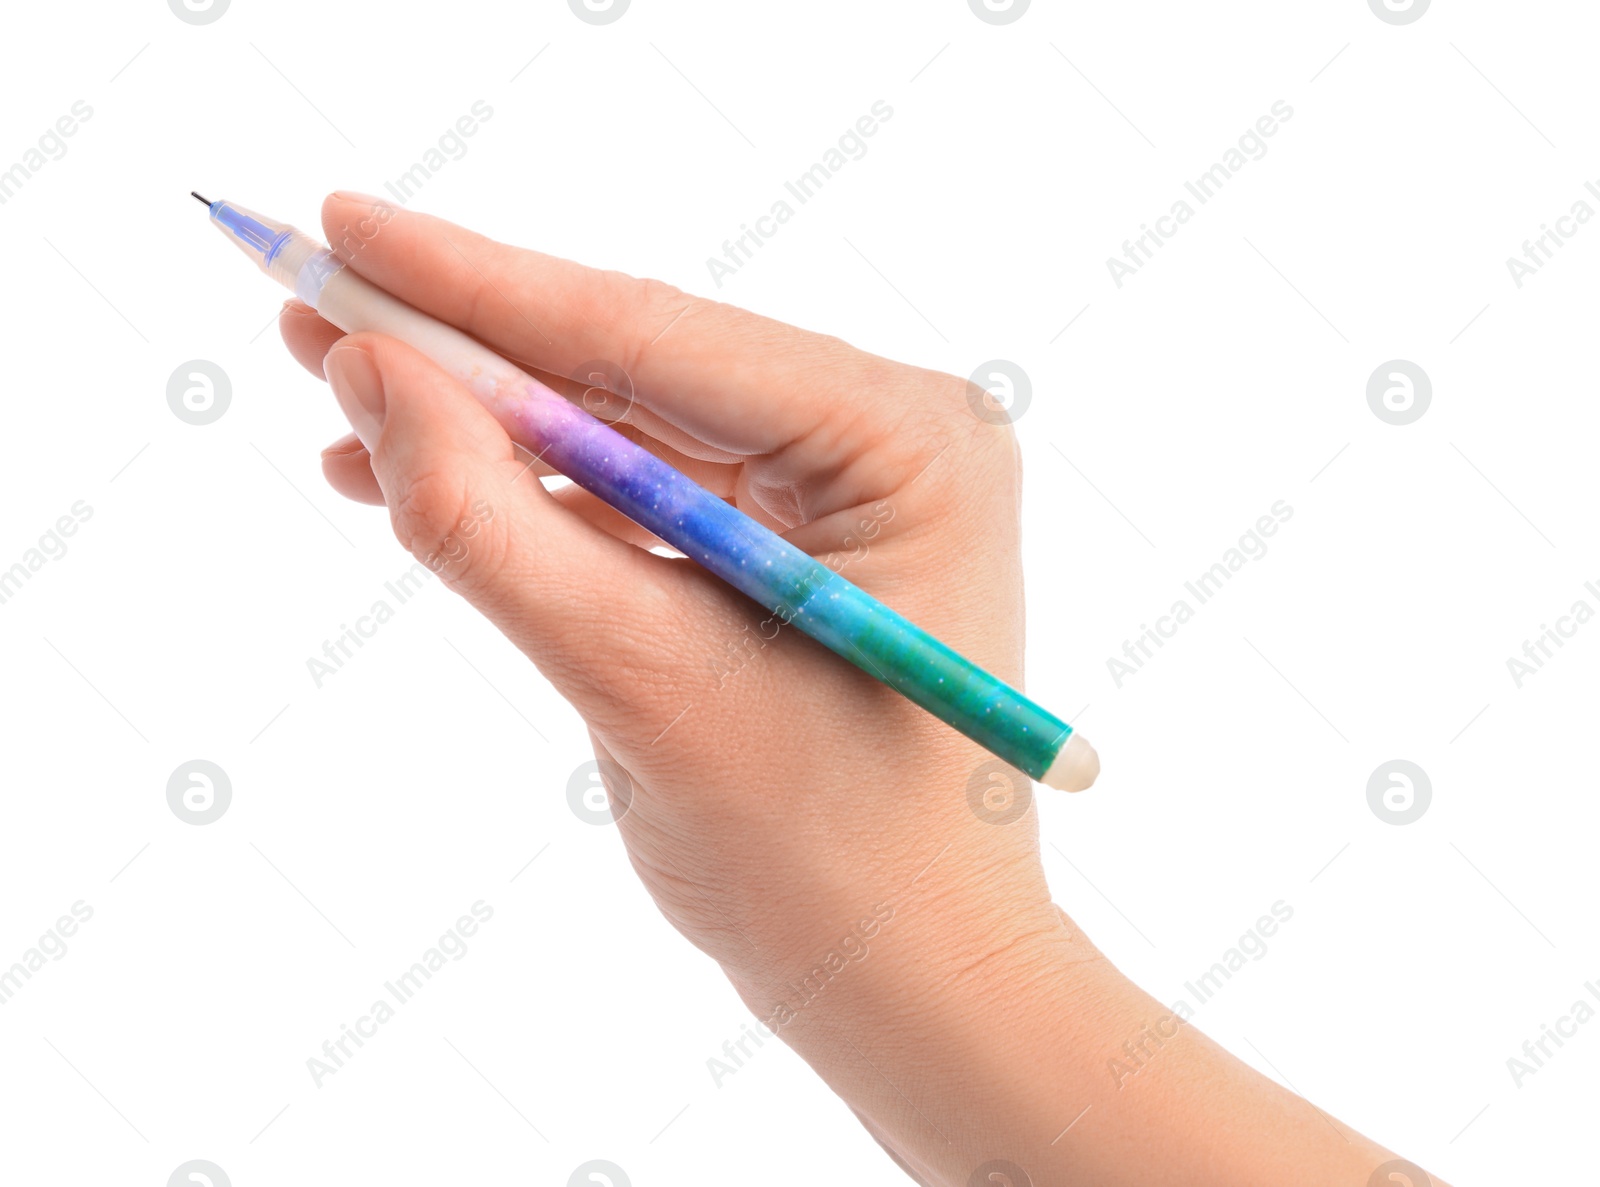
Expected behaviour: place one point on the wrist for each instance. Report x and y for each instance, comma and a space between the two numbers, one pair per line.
905, 977
988, 1051
934, 1031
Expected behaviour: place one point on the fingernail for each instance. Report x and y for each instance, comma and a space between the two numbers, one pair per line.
358, 196
359, 389
344, 448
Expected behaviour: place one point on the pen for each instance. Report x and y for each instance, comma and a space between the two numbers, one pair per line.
799, 590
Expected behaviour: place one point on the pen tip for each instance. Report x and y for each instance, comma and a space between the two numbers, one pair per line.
199, 199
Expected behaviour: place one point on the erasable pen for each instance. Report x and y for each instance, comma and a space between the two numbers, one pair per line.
796, 587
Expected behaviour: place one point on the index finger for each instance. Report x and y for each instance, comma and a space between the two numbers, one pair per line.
730, 378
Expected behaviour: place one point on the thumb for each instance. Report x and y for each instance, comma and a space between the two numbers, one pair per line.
464, 505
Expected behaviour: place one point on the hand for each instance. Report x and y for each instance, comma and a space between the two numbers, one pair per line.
777, 796
799, 822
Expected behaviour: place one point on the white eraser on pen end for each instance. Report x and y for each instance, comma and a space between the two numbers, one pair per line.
1076, 766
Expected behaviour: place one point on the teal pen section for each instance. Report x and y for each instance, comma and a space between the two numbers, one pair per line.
795, 586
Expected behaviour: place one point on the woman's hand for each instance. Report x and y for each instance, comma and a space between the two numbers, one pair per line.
830, 844
771, 796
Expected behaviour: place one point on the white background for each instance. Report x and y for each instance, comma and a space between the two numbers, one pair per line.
1171, 412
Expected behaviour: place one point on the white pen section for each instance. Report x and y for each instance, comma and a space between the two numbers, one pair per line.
316, 276
354, 304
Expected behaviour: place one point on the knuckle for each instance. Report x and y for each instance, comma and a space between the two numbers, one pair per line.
653, 305
969, 404
454, 533
487, 304
658, 295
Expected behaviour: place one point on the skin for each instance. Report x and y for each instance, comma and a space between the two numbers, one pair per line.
782, 806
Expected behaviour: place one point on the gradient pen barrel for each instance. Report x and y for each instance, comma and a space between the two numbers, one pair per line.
798, 589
